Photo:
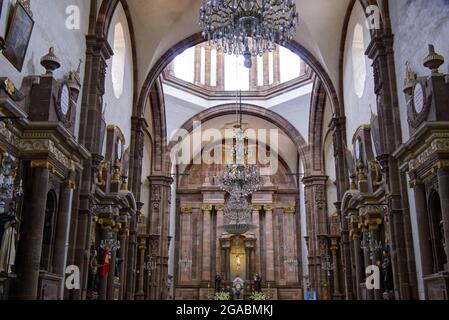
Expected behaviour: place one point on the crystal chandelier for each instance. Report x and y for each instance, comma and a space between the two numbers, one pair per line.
237, 209
240, 179
248, 27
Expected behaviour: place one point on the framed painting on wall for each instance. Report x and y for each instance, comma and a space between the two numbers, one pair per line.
18, 36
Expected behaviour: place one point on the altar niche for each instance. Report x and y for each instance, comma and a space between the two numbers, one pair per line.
238, 258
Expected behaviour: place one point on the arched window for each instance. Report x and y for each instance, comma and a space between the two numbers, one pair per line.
358, 60
213, 68
260, 74
290, 64
203, 66
118, 60
184, 65
236, 75
270, 68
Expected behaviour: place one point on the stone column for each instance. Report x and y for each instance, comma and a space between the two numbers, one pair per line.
256, 222
106, 234
253, 76
334, 250
123, 234
208, 66
276, 66
248, 263
138, 127
425, 242
131, 264
228, 263
266, 70
358, 265
206, 268
98, 52
381, 51
443, 182
366, 259
32, 229
62, 232
219, 222
112, 268
220, 71
159, 224
225, 259
374, 229
269, 242
140, 293
197, 70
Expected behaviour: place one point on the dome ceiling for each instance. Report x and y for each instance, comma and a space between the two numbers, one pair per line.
160, 24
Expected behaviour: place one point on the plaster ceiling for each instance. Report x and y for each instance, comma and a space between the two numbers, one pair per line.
160, 24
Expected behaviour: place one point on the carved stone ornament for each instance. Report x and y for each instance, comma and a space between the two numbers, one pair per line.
206, 207
186, 210
290, 209
437, 146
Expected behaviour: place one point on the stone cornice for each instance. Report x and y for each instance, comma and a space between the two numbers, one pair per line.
264, 94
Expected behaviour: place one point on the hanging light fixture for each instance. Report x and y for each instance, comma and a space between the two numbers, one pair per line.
237, 209
248, 27
240, 179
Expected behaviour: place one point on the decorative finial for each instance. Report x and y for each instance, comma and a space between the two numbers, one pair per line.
410, 78
50, 61
434, 60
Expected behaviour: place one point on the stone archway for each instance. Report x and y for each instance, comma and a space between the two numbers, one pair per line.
256, 111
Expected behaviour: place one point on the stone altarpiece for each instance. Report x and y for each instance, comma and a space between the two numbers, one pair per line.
203, 249
425, 158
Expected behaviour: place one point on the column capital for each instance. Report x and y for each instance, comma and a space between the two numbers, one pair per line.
42, 164
186, 210
206, 207
338, 123
290, 209
99, 45
315, 179
160, 180
138, 123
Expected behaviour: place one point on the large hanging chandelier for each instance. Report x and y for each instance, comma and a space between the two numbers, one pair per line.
248, 27
240, 179
237, 209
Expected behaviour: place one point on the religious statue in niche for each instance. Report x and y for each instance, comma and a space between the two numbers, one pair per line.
387, 271
217, 284
8, 241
